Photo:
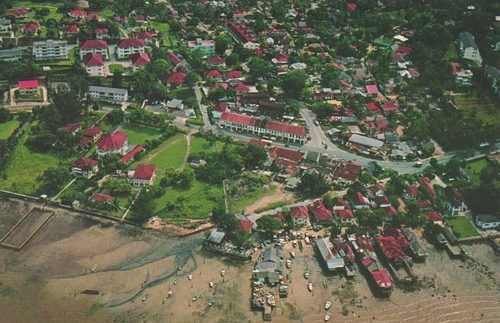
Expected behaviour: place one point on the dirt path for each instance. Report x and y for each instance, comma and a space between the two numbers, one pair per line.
188, 149
162, 148
278, 195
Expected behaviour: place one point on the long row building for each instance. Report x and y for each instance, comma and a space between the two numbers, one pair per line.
262, 127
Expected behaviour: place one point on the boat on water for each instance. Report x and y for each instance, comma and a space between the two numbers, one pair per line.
211, 284
328, 304
306, 274
310, 287
222, 272
170, 293
212, 302
288, 263
292, 253
190, 276
328, 316
196, 296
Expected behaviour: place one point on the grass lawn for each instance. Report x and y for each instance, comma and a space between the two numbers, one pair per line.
474, 169
463, 227
239, 204
451, 53
200, 144
106, 12
172, 156
195, 202
24, 167
182, 93
31, 4
485, 108
138, 134
7, 128
164, 29
116, 67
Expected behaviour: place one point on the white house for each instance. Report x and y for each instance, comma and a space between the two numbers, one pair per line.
129, 46
94, 64
50, 49
175, 104
468, 47
108, 93
94, 46
112, 143
5, 25
487, 221
300, 216
144, 175
453, 202
84, 167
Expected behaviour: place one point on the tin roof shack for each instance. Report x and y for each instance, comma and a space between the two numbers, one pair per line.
215, 237
417, 251
270, 266
377, 277
333, 255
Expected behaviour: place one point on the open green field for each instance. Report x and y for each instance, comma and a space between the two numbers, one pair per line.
195, 202
182, 93
474, 169
463, 227
451, 54
7, 128
116, 67
239, 204
138, 134
53, 14
485, 109
25, 166
106, 12
163, 28
172, 156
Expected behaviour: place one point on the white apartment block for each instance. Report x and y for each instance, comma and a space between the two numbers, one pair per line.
5, 25
50, 49
128, 47
468, 47
108, 94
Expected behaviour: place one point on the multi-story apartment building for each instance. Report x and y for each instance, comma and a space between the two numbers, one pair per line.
50, 49
108, 93
94, 64
468, 47
130, 46
94, 46
13, 54
4, 25
207, 47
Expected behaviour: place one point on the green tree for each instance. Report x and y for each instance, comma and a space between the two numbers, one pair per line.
293, 83
313, 184
221, 44
53, 178
115, 117
117, 186
143, 207
5, 115
268, 224
117, 79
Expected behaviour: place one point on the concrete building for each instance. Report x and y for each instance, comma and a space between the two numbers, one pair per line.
108, 93
50, 49
144, 175
129, 46
94, 46
112, 143
207, 47
487, 221
94, 64
468, 47
5, 25
13, 54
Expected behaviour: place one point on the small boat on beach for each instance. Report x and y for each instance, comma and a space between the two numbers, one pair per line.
328, 316
222, 272
306, 274
145, 297
324, 283
328, 304
190, 277
212, 302
170, 293
196, 296
211, 284
292, 254
288, 263
94, 267
310, 287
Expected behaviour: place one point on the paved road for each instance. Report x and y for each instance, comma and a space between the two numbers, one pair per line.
203, 109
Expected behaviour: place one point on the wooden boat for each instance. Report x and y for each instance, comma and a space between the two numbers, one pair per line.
288, 263
196, 296
170, 293
292, 253
190, 277
145, 297
212, 302
328, 316
222, 272
175, 281
94, 267
306, 274
310, 287
211, 284
328, 304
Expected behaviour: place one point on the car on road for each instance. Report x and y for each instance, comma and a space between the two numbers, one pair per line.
316, 122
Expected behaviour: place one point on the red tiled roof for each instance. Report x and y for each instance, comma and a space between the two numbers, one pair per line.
280, 217
71, 28
140, 59
391, 248
241, 31
112, 141
92, 59
299, 212
82, 162
72, 127
91, 16
257, 142
319, 211
382, 278
372, 89
284, 153
241, 87
345, 83
144, 34
390, 211
101, 31
338, 201
389, 106
174, 59
286, 128
17, 12
217, 85
238, 118
359, 199
352, 167
260, 51
131, 154
434, 216
31, 84
403, 50
139, 18
102, 198
286, 162
92, 132
427, 182
345, 214
94, 44
221, 107
424, 204
175, 78
144, 172
364, 243
244, 225
213, 74
412, 190
79, 13
30, 26
215, 60
131, 42
234, 74
352, 5
282, 58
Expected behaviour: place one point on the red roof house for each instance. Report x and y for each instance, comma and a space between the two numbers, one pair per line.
77, 14
390, 106
213, 74
241, 87
300, 216
102, 198
30, 26
216, 60
345, 214
293, 155
140, 59
94, 44
81, 163
320, 212
391, 248
131, 42
93, 59
175, 78
30, 84
174, 59
131, 154
71, 29
425, 181
144, 172
286, 128
111, 142
234, 74
144, 35
372, 89
244, 225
